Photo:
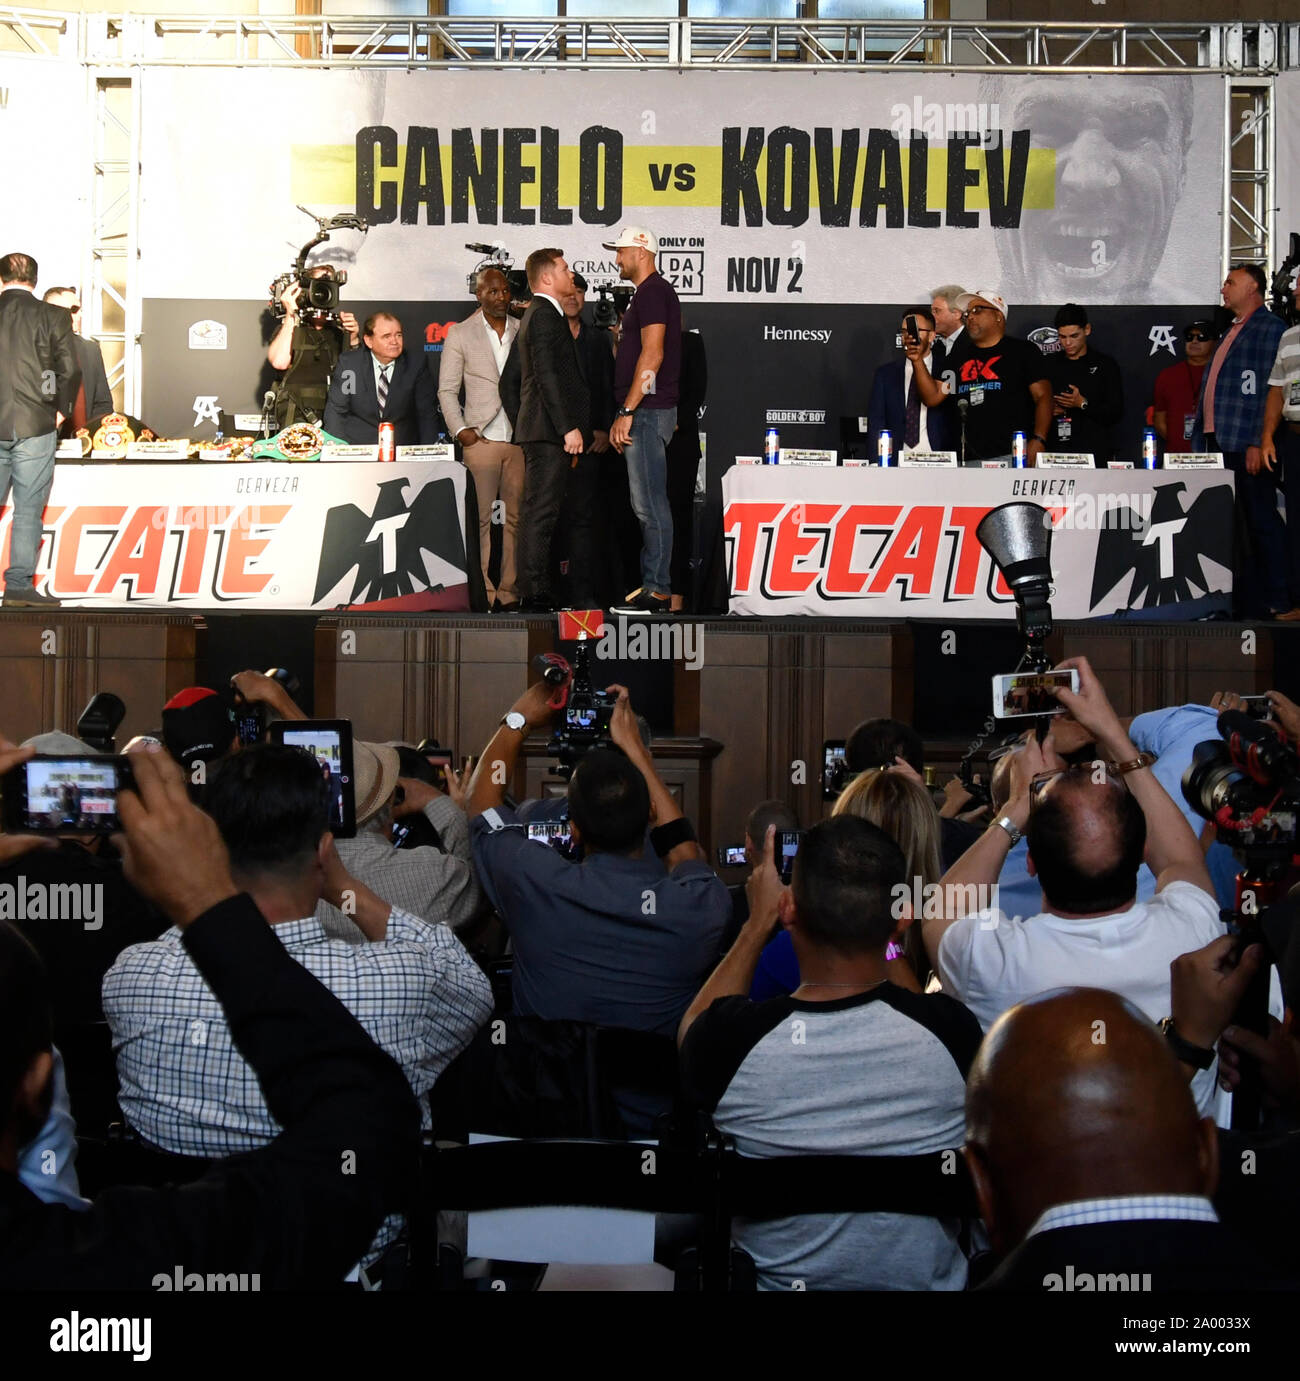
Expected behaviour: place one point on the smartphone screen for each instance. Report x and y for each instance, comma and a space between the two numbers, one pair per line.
787, 846
65, 795
552, 832
834, 768
329, 741
1257, 706
732, 856
1028, 693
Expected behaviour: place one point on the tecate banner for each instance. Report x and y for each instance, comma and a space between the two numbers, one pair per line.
804, 187
387, 537
871, 543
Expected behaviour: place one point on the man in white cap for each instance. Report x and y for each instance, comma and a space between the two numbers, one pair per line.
646, 377
1000, 383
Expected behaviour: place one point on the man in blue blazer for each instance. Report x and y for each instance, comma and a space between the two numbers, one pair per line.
935, 428
379, 383
1230, 418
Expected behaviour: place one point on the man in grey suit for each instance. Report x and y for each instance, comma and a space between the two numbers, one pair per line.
94, 398
473, 357
554, 428
39, 378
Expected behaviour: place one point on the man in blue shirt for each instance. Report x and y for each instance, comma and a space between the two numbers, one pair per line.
618, 939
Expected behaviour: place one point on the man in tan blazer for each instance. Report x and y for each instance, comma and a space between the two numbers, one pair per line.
473, 356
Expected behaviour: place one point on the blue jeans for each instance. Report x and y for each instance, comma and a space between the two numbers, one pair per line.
647, 478
27, 464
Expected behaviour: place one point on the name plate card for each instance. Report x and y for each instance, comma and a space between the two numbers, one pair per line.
438, 451
793, 457
926, 460
1064, 460
1193, 460
158, 450
349, 453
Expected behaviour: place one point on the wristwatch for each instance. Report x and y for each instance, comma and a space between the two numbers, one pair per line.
1014, 833
514, 720
1195, 1055
1042, 440
624, 412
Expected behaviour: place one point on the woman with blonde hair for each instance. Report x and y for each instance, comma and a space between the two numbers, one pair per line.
895, 801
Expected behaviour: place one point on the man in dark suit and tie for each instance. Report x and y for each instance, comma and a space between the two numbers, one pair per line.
380, 383
94, 397
554, 428
896, 405
1091, 1167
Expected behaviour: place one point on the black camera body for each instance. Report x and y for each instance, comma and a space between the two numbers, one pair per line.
613, 299
1247, 783
319, 301
587, 712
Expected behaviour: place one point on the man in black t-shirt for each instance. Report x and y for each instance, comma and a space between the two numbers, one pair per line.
1002, 381
1087, 392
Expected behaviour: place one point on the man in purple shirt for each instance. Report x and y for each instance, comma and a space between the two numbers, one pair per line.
646, 377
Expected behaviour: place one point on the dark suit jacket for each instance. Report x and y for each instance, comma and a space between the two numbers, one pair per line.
510, 383
99, 397
887, 411
352, 408
553, 395
36, 346
596, 360
1176, 1255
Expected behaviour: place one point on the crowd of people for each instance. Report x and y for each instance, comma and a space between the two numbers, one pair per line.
1043, 985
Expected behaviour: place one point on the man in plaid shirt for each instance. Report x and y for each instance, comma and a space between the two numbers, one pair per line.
1230, 418
184, 1085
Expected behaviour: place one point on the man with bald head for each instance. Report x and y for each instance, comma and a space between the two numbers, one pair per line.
1088, 829
1091, 1167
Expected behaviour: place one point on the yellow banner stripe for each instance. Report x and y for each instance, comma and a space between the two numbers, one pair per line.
325, 175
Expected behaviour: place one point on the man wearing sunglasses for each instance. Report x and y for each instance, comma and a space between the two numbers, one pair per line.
1178, 387
1088, 828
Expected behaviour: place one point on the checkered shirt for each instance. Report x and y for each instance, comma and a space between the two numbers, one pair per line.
1130, 1208
1242, 385
443, 888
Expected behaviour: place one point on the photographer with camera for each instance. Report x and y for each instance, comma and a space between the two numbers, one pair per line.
1087, 827
307, 346
616, 940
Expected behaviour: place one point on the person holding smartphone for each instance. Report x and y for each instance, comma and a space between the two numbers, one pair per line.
896, 405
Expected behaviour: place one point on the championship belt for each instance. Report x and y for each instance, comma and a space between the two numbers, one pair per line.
114, 436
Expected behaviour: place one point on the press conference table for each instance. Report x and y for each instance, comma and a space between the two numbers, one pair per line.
877, 543
255, 535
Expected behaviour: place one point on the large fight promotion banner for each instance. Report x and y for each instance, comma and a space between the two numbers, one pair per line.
1286, 107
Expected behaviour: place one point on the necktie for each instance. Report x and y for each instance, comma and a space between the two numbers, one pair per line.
912, 422
382, 388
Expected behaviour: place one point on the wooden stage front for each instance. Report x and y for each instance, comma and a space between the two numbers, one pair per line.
740, 717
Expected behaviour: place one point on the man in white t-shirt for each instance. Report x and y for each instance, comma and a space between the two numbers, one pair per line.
1088, 828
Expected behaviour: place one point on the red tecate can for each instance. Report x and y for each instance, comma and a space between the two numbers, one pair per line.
387, 441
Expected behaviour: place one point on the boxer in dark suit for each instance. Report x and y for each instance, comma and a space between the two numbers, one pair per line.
553, 426
353, 411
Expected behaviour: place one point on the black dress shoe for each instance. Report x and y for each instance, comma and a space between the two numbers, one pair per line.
512, 608
532, 606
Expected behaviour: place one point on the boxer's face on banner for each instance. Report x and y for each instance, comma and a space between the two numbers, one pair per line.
1119, 150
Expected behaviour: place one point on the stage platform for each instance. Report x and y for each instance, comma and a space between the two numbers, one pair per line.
740, 706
